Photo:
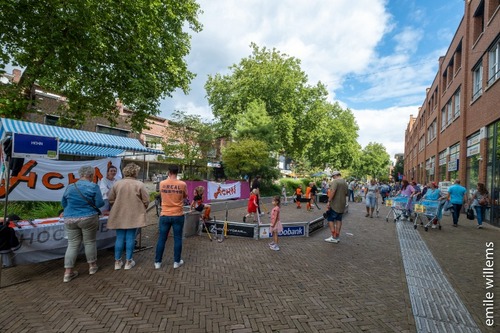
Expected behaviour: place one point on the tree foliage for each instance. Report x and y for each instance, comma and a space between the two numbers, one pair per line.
190, 141
97, 52
270, 89
398, 169
248, 157
374, 161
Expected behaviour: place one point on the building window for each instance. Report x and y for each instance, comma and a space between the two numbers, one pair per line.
456, 101
153, 142
443, 118
458, 58
477, 81
111, 131
493, 63
431, 131
478, 21
51, 120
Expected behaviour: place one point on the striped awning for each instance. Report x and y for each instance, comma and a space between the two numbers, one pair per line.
77, 142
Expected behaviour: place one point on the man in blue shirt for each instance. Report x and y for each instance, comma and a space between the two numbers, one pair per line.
457, 194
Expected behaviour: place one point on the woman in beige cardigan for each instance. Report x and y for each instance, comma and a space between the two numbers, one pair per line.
129, 200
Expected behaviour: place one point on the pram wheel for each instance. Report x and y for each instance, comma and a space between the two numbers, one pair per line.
415, 227
439, 227
426, 228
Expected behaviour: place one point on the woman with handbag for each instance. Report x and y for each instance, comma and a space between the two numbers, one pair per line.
81, 220
129, 200
480, 201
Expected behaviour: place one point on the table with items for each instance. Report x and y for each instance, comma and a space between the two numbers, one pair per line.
45, 239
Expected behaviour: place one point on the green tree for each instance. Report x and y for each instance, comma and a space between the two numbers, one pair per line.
398, 169
374, 161
97, 52
295, 117
190, 142
248, 157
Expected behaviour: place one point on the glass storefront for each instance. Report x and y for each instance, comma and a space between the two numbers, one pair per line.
493, 173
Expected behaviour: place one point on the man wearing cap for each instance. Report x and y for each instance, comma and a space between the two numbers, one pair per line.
336, 205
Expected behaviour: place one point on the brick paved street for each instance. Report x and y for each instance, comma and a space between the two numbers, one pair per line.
358, 285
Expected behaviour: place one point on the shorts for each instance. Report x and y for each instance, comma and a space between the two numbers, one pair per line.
371, 201
333, 216
199, 208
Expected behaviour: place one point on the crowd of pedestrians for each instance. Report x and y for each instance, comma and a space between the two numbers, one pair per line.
126, 200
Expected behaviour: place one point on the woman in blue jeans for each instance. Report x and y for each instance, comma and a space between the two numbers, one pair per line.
479, 201
81, 221
129, 199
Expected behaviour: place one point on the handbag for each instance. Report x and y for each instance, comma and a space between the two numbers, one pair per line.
470, 214
89, 202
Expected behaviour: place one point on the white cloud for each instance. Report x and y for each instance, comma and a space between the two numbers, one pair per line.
386, 126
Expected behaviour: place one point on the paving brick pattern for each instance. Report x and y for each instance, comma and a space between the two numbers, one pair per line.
358, 285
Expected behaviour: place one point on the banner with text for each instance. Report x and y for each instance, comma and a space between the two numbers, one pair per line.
46, 180
219, 191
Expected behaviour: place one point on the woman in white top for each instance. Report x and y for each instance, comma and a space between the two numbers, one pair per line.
106, 185
371, 191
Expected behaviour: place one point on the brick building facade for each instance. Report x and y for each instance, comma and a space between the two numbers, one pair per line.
456, 134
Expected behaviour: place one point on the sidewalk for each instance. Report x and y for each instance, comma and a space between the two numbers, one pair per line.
358, 285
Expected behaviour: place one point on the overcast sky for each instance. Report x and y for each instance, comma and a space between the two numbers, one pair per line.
376, 57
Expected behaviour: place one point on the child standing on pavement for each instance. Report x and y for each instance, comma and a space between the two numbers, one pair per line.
298, 196
276, 225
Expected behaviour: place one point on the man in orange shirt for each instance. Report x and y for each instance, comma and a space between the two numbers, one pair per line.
173, 192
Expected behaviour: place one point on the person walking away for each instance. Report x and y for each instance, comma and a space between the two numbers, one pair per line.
457, 195
252, 206
336, 205
298, 196
81, 201
283, 194
276, 226
371, 191
129, 199
308, 197
198, 204
480, 201
352, 187
314, 191
384, 192
173, 192
106, 184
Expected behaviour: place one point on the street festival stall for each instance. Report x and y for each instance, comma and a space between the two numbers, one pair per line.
38, 175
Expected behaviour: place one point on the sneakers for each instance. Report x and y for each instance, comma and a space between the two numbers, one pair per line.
178, 264
69, 277
330, 239
118, 265
271, 244
367, 215
157, 265
336, 240
93, 270
129, 264
480, 226
274, 247
433, 226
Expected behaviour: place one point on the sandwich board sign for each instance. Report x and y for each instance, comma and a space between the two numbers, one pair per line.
34, 146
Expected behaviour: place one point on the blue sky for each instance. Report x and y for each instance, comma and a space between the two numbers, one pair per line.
376, 57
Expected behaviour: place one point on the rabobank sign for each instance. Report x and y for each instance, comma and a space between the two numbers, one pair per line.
293, 231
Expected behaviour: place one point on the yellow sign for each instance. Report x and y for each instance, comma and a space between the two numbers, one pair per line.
419, 209
388, 203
